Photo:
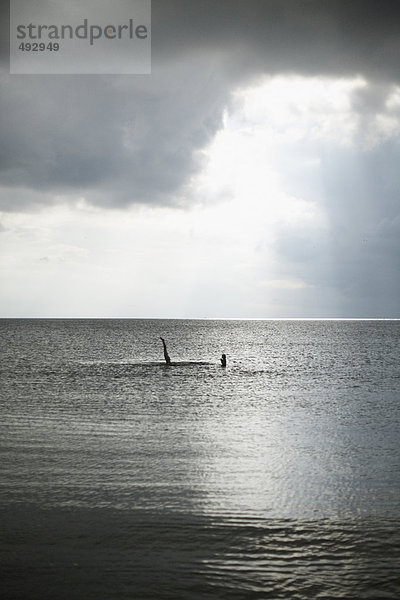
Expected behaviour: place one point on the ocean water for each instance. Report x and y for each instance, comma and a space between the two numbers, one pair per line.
275, 477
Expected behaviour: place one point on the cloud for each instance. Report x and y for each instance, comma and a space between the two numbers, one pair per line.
357, 255
327, 37
271, 127
108, 141
124, 140
337, 210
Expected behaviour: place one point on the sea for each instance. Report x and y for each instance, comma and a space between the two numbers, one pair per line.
123, 477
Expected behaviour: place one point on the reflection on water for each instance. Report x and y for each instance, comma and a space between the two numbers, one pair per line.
160, 450
278, 475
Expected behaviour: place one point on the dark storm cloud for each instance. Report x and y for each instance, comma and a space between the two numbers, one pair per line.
116, 140
121, 140
306, 36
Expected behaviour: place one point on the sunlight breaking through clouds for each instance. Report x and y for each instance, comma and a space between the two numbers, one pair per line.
254, 233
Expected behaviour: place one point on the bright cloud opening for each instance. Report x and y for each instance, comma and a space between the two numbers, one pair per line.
252, 236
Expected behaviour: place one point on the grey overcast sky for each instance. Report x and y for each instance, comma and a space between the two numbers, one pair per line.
254, 173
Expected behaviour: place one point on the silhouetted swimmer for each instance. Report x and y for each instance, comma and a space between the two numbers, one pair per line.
223, 360
167, 358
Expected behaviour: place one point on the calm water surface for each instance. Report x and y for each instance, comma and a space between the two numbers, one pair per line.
277, 477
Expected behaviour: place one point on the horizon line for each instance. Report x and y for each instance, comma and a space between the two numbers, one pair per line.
212, 318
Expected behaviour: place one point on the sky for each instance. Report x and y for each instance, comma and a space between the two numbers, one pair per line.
253, 174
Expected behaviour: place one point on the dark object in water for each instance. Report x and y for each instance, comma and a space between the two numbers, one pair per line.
223, 360
167, 358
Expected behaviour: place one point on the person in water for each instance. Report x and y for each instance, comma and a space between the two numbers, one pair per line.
223, 360
167, 358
